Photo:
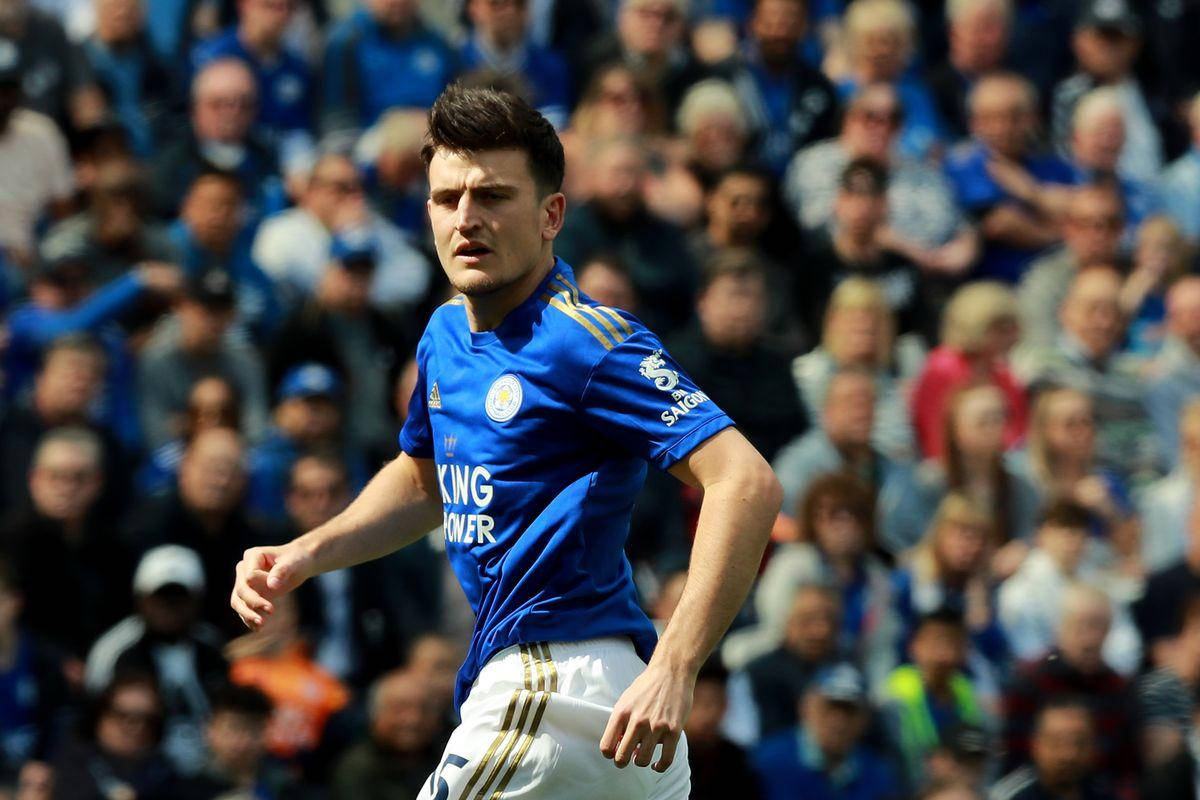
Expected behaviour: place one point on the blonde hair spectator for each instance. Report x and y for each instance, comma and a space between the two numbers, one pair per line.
858, 296
709, 99
972, 312
880, 36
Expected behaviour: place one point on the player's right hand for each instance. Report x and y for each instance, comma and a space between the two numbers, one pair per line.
263, 574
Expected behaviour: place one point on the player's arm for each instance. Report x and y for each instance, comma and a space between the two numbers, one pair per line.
399, 505
741, 500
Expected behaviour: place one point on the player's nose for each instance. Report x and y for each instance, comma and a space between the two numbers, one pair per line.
466, 216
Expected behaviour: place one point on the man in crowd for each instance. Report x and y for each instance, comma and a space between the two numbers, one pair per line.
720, 768
978, 33
1063, 755
1176, 370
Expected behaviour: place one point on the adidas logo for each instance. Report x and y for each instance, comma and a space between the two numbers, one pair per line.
435, 397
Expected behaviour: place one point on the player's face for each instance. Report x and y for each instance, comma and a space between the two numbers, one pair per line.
491, 225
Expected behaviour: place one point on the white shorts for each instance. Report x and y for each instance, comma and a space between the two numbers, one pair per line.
531, 728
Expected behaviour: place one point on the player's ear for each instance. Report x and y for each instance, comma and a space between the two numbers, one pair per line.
554, 209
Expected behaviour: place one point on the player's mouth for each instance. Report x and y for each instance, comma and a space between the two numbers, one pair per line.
471, 252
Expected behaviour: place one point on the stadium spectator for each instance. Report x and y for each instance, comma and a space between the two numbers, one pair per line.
922, 208
789, 104
73, 573
364, 52
1001, 178
1063, 754
859, 330
35, 693
114, 233
714, 136
54, 73
836, 545
1076, 667
212, 403
1106, 41
212, 233
119, 752
221, 135
65, 391
1159, 260
204, 512
973, 462
1181, 181
825, 757
606, 280
286, 87
394, 174
724, 352
36, 175
331, 221
1159, 611
1176, 370
979, 328
1097, 140
237, 749
308, 415
164, 638
844, 442
880, 43
500, 41
402, 747
1092, 228
777, 680
950, 569
649, 38
1086, 358
978, 33
719, 767
1033, 602
930, 694
139, 89
35, 781
275, 660
1167, 504
616, 219
193, 342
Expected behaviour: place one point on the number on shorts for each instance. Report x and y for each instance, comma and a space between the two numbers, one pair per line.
443, 789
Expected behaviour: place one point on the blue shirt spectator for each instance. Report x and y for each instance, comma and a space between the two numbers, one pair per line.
365, 57
923, 130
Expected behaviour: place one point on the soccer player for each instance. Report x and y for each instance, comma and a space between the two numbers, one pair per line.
534, 415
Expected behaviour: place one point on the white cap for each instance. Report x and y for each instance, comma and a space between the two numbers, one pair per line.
167, 564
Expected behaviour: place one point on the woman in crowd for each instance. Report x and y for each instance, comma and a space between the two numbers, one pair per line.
1161, 256
860, 331
212, 403
979, 328
837, 547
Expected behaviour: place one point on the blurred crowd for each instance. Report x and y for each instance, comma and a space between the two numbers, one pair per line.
936, 259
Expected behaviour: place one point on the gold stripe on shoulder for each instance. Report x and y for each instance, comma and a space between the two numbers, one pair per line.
566, 289
574, 314
457, 300
620, 320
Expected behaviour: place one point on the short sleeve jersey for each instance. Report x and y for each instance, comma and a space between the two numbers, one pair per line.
541, 429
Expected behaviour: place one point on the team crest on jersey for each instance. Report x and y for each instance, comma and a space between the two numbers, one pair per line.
503, 400
435, 396
654, 368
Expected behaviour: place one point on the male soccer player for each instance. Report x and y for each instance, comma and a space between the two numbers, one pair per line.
534, 415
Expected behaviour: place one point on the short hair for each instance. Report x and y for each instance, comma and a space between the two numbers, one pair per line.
327, 457
711, 96
75, 436
956, 9
847, 493
860, 294
1062, 702
864, 174
746, 169
863, 15
465, 121
972, 310
943, 615
240, 699
204, 74
83, 343
1101, 100
1065, 513
1000, 77
607, 259
208, 172
736, 262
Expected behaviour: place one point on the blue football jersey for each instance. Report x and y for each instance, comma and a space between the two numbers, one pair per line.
541, 430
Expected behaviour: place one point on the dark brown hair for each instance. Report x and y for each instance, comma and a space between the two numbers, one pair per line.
956, 471
474, 120
847, 493
1066, 513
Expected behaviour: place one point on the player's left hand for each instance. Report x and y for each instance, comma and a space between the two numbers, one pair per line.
651, 712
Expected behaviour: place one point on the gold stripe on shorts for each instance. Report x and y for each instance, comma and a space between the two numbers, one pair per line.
544, 649
527, 662
505, 727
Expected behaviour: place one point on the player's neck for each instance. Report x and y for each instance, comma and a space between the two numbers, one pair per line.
486, 313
